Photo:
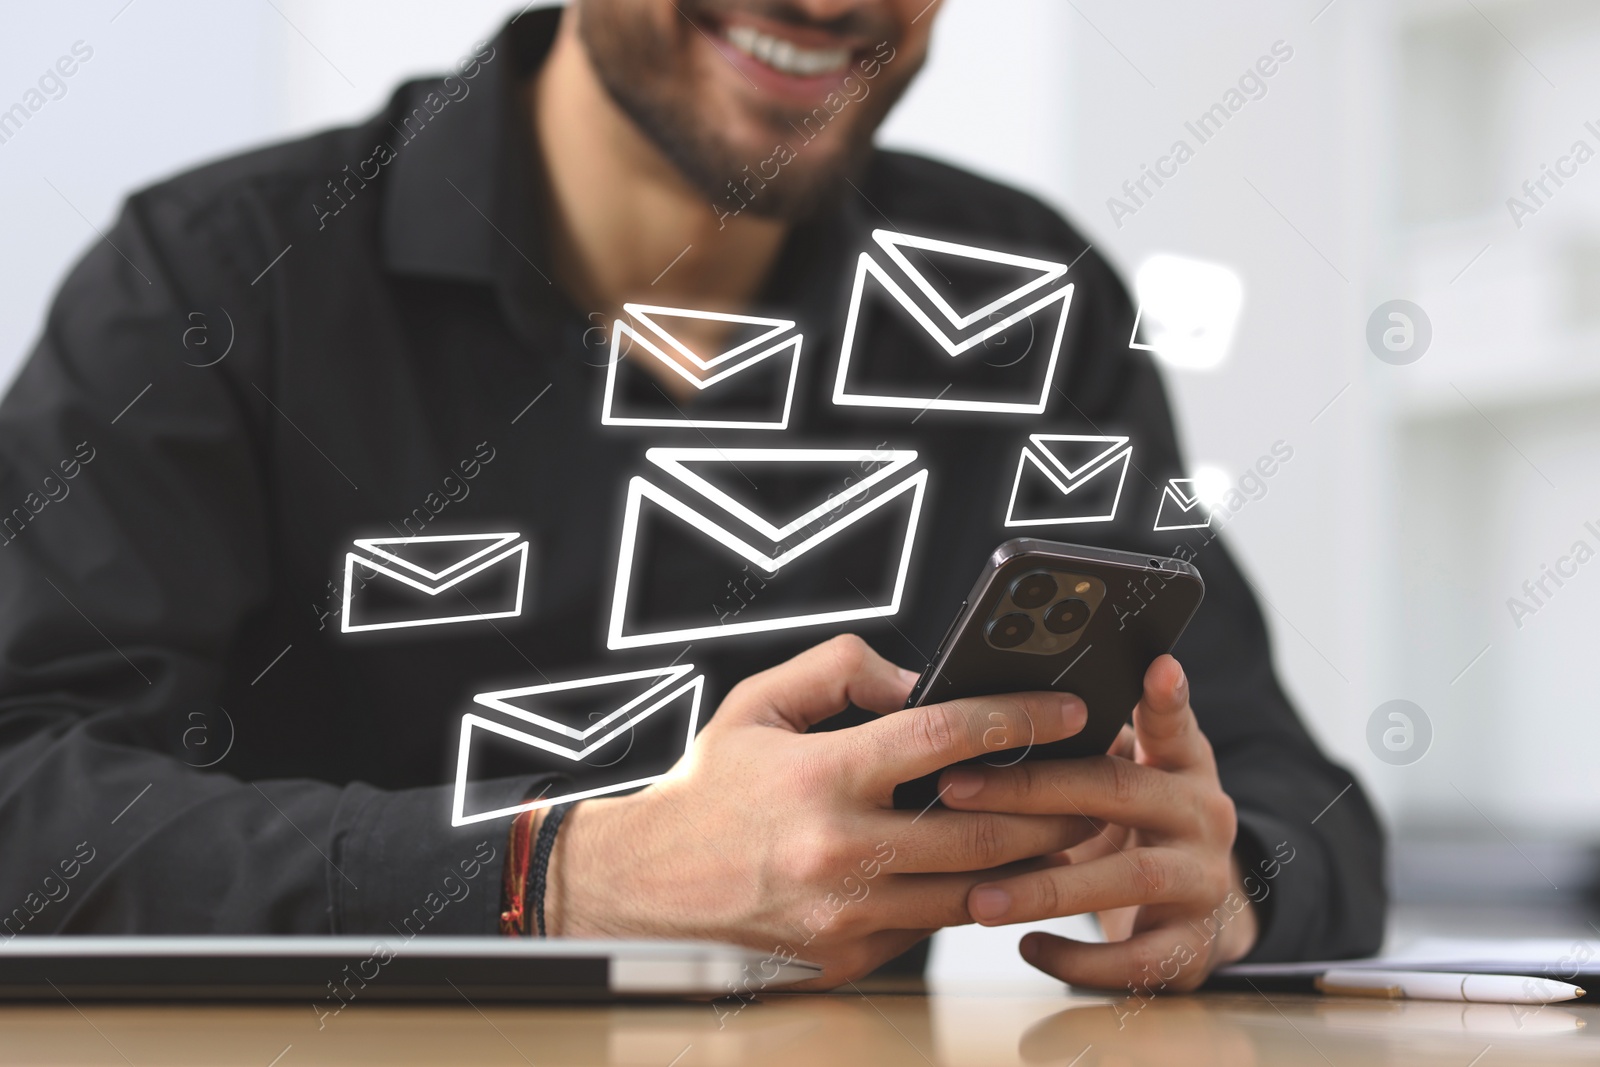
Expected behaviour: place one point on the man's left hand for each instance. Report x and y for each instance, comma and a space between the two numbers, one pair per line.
1157, 863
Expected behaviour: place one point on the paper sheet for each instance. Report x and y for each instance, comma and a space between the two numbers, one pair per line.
1559, 958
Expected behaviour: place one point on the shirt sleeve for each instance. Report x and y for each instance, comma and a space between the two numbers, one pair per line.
133, 548
1308, 841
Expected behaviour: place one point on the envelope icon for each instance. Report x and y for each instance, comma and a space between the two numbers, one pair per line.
1068, 478
395, 582
1188, 310
1181, 507
951, 327
602, 735
748, 385
749, 540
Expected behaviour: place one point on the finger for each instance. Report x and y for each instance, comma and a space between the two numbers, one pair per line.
1164, 724
1124, 744
1170, 958
937, 840
1136, 876
919, 741
1111, 838
926, 901
818, 684
1118, 924
915, 901
1102, 787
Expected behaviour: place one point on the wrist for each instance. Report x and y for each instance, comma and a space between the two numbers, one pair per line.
586, 885
640, 866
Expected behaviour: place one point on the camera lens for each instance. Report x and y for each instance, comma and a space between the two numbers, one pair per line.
1033, 590
1067, 616
1009, 631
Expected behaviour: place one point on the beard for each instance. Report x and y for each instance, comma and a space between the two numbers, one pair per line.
649, 71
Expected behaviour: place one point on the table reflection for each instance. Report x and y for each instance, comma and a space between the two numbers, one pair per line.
985, 1026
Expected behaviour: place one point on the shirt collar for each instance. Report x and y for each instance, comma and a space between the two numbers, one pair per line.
461, 197
464, 201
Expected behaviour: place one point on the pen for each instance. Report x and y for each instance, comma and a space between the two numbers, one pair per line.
1441, 985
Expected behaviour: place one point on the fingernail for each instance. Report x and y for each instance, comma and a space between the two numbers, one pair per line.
1074, 714
961, 783
1183, 679
990, 902
908, 678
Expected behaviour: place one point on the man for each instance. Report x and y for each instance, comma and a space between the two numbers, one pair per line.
400, 329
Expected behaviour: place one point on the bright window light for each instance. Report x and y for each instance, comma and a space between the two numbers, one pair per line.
1187, 311
1211, 484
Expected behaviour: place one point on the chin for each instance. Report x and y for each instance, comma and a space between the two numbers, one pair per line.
753, 139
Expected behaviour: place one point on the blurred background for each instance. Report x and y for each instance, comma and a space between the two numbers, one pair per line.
1377, 163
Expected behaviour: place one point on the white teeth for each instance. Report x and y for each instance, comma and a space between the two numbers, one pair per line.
786, 56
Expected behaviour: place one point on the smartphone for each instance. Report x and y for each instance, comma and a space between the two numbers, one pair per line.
1067, 618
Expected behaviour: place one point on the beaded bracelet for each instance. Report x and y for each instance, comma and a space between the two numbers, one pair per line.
513, 889
540, 866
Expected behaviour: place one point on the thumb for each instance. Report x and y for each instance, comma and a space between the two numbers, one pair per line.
818, 684
1164, 724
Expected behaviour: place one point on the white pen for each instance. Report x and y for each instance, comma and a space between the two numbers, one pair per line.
1441, 985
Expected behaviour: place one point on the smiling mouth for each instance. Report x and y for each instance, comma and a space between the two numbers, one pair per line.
784, 56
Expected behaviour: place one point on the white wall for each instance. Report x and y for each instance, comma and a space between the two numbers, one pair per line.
167, 85
372, 43
997, 94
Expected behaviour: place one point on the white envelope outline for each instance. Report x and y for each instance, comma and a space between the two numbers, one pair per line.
671, 460
375, 557
1181, 493
653, 336
659, 695
954, 322
1070, 479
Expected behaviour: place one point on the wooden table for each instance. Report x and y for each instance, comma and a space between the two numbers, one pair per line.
880, 1028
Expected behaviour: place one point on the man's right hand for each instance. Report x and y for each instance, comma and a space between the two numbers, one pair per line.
767, 836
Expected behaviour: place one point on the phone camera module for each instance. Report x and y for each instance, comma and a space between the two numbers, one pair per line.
1009, 631
1033, 590
1065, 617
1043, 612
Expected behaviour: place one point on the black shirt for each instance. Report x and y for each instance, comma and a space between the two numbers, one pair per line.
340, 337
